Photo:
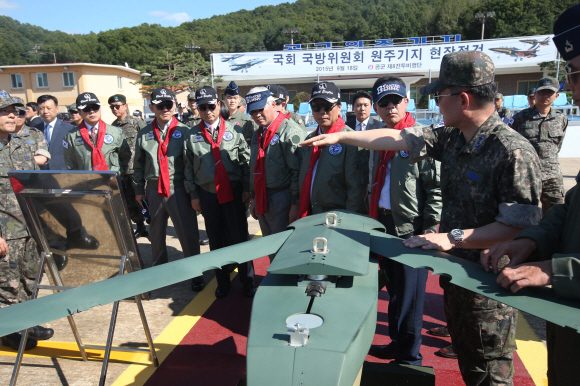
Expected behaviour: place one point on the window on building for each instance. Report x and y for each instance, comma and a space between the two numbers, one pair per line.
291, 94
120, 82
414, 93
68, 79
42, 80
16, 80
524, 86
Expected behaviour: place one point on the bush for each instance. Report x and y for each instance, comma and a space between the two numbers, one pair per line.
299, 98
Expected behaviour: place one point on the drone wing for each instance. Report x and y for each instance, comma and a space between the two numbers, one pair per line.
537, 301
48, 308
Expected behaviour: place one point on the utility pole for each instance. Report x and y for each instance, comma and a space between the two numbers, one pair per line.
36, 51
291, 32
192, 47
483, 17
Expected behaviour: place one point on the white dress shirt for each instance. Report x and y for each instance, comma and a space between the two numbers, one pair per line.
385, 198
362, 126
48, 128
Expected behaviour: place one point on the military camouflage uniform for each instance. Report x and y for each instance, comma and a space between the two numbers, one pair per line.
505, 115
19, 267
546, 134
189, 120
131, 126
246, 123
35, 139
495, 177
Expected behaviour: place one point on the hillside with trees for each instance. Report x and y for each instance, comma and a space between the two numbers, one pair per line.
261, 29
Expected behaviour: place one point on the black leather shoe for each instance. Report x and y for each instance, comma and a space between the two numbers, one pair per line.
388, 351
40, 333
86, 242
13, 340
141, 231
203, 241
196, 287
250, 291
60, 261
222, 292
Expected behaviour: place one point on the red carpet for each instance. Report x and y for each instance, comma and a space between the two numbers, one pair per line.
213, 353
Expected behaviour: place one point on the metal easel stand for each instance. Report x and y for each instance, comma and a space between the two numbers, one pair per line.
59, 286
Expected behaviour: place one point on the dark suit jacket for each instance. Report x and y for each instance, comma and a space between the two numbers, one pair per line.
55, 147
372, 124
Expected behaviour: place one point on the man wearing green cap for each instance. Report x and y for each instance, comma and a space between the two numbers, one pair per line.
503, 113
18, 251
130, 126
192, 118
490, 185
232, 99
74, 115
550, 251
32, 136
545, 129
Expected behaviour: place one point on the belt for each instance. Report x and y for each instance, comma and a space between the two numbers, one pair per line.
385, 212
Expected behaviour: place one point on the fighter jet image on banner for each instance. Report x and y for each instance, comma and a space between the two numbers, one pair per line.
231, 58
536, 43
516, 52
243, 67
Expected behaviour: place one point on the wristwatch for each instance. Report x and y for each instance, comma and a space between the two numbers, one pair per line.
457, 235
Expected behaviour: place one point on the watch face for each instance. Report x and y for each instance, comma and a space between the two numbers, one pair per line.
457, 234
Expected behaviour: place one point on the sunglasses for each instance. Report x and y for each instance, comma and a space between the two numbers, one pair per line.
165, 106
8, 112
116, 107
207, 107
91, 108
322, 106
436, 96
394, 99
21, 113
571, 75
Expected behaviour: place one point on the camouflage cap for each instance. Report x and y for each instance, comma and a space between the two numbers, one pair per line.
567, 33
19, 103
532, 92
73, 108
463, 68
117, 98
498, 95
548, 83
6, 100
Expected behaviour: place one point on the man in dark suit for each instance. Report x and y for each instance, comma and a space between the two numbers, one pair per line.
54, 131
362, 105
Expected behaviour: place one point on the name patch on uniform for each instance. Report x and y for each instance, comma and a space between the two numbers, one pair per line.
29, 141
149, 136
78, 142
65, 144
275, 139
404, 153
474, 176
108, 138
228, 136
335, 149
197, 138
176, 134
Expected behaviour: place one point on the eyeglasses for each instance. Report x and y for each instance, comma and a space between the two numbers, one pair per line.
571, 76
208, 106
116, 107
21, 113
392, 98
258, 111
320, 106
91, 108
436, 96
165, 106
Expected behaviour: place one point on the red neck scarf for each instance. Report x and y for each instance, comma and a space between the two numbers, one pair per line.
381, 173
164, 185
97, 157
260, 168
222, 181
304, 208
287, 116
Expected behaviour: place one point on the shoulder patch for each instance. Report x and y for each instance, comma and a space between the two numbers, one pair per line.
335, 149
228, 136
404, 154
64, 144
108, 138
511, 121
275, 139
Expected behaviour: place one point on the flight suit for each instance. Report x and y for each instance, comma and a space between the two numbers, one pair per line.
282, 170
341, 177
177, 206
226, 224
246, 123
296, 118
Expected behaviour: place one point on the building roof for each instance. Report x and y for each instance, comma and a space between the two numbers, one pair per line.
122, 68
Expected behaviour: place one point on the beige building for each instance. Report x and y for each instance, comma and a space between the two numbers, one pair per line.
66, 81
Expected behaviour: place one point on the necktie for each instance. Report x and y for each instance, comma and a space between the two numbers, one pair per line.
97, 158
47, 133
94, 132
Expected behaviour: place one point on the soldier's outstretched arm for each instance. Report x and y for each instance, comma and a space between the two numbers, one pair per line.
379, 139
